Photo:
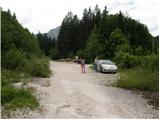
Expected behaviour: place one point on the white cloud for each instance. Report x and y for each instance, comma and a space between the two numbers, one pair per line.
43, 15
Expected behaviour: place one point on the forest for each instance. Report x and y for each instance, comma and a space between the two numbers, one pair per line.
101, 34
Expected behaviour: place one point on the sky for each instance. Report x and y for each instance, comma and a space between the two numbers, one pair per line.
43, 15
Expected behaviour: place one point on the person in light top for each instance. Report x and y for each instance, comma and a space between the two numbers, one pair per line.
83, 65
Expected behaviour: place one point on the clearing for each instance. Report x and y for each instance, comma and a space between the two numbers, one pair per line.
70, 94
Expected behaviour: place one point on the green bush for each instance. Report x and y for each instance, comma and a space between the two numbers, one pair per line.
12, 98
124, 48
39, 67
138, 51
8, 93
126, 60
13, 59
10, 76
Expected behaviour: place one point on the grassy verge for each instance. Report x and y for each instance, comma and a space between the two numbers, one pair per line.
14, 97
11, 97
138, 78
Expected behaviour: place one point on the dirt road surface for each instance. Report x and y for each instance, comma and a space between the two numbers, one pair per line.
70, 94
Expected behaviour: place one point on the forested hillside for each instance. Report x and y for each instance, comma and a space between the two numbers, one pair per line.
104, 33
21, 59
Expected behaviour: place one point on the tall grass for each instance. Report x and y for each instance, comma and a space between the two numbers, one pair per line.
21, 98
11, 97
143, 76
138, 78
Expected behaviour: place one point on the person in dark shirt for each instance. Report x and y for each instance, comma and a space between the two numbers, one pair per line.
95, 63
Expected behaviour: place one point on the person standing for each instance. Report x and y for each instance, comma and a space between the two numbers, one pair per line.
83, 66
95, 63
76, 59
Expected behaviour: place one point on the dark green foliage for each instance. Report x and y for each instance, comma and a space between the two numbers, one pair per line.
115, 32
155, 45
68, 39
81, 53
13, 59
93, 47
53, 53
18, 47
15, 36
116, 39
126, 60
46, 43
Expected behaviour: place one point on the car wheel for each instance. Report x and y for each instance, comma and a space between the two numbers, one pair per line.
115, 72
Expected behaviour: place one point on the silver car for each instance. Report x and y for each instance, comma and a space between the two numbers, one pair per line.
106, 66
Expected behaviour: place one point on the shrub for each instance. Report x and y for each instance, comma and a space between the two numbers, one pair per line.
13, 98
8, 93
138, 51
124, 48
39, 67
126, 60
13, 59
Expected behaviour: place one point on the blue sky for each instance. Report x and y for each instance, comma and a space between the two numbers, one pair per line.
43, 15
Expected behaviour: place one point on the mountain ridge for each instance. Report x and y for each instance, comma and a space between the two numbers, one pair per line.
53, 33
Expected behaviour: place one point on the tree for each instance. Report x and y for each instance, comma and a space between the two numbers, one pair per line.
14, 16
104, 25
116, 39
17, 43
93, 47
97, 13
14, 36
69, 36
46, 43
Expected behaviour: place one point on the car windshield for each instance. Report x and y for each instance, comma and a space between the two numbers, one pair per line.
107, 62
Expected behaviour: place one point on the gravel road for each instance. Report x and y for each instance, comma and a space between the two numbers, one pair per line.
70, 94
